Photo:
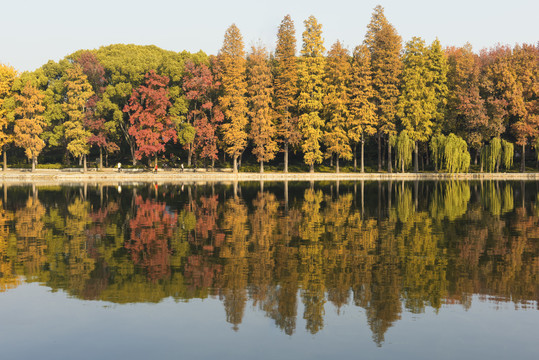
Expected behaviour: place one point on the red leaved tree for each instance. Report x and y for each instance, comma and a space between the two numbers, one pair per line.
101, 129
200, 86
151, 125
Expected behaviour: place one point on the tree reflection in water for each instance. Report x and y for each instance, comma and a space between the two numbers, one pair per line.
387, 248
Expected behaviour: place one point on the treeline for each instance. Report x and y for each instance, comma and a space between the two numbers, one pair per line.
415, 104
385, 247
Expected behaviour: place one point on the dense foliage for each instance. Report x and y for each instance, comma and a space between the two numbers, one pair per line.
254, 106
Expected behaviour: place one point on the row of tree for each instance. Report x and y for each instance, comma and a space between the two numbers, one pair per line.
420, 104
384, 247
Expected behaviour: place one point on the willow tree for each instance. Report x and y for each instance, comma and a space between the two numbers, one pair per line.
260, 91
405, 147
456, 155
7, 77
286, 86
508, 153
29, 123
311, 91
363, 120
336, 101
234, 88
78, 92
437, 145
417, 103
385, 46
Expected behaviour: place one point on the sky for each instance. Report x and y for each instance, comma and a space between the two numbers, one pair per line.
35, 31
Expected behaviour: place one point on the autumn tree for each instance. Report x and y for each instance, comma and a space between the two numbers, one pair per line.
7, 77
286, 86
466, 110
151, 124
363, 120
78, 92
234, 88
499, 89
101, 130
29, 123
260, 91
417, 103
438, 67
385, 46
524, 102
336, 111
199, 85
311, 91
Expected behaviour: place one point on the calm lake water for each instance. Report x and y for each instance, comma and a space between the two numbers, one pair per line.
298, 270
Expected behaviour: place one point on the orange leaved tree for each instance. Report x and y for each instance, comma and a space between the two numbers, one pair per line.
30, 122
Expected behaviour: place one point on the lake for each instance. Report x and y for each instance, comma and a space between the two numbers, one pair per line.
251, 270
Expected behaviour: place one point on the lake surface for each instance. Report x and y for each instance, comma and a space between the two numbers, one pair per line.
297, 270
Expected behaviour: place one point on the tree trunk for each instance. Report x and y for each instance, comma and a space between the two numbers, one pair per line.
389, 163
523, 160
33, 163
416, 158
379, 151
337, 164
402, 165
133, 158
362, 153
189, 155
4, 165
355, 158
235, 164
311, 169
100, 158
84, 167
331, 161
261, 167
286, 156
212, 163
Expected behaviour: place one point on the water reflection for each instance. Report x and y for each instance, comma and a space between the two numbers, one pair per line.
387, 247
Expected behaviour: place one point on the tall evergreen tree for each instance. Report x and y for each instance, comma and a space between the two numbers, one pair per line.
417, 104
261, 112
363, 119
286, 86
311, 91
438, 67
385, 46
234, 88
337, 114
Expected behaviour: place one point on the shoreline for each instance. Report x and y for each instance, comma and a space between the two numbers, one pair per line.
174, 175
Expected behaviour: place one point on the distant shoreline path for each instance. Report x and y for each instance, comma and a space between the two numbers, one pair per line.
176, 176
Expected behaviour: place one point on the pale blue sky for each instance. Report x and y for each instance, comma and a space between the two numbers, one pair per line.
34, 31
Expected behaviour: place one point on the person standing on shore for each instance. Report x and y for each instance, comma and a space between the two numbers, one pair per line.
119, 167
